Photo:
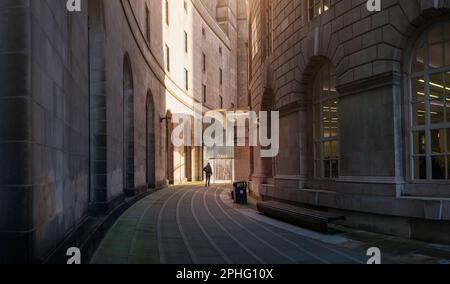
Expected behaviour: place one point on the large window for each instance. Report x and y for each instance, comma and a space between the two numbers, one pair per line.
317, 7
325, 120
430, 105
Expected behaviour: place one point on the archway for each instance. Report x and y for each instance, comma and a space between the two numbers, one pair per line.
128, 127
150, 141
321, 150
267, 166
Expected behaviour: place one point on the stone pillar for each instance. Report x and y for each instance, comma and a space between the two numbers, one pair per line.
292, 161
16, 191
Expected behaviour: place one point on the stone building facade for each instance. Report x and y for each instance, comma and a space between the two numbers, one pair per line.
86, 104
364, 104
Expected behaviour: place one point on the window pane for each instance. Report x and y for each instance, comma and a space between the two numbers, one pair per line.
327, 169
334, 119
448, 141
418, 89
418, 60
420, 168
326, 119
437, 89
326, 5
437, 111
317, 10
447, 54
438, 141
438, 167
327, 150
437, 101
435, 35
334, 168
436, 56
419, 142
334, 149
419, 113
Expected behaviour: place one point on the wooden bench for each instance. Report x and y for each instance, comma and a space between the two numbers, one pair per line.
308, 218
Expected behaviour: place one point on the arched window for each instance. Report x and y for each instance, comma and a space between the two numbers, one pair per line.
150, 141
98, 103
128, 127
430, 104
325, 120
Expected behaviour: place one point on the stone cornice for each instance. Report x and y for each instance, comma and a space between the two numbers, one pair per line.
293, 107
371, 179
211, 22
371, 83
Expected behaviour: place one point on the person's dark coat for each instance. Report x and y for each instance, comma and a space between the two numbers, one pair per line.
208, 170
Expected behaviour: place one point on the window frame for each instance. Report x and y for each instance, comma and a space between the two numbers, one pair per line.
186, 79
167, 58
426, 73
320, 3
186, 42
204, 94
204, 62
321, 139
167, 13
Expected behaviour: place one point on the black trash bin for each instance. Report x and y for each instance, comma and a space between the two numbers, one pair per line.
240, 192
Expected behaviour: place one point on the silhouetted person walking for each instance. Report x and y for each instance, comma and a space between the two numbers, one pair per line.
208, 173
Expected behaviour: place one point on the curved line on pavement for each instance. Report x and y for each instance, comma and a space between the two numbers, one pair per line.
229, 234
251, 233
152, 203
180, 228
210, 239
162, 255
303, 238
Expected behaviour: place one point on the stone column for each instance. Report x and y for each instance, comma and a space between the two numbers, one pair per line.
16, 191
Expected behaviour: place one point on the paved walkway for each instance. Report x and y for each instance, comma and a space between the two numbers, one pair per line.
191, 224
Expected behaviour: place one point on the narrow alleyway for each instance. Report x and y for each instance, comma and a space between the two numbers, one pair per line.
190, 224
